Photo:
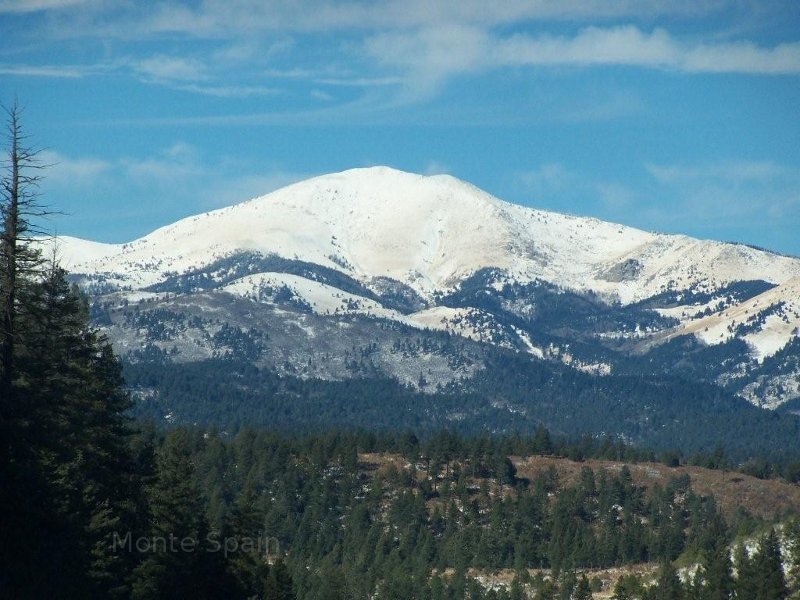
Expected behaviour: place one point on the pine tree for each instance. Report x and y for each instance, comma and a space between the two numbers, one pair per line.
19, 259
792, 538
566, 585
182, 559
626, 588
716, 562
746, 584
246, 524
69, 477
668, 586
74, 383
24, 491
278, 585
771, 583
583, 591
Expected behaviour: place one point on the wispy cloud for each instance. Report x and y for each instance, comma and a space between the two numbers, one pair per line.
553, 184
73, 172
736, 171
546, 179
321, 95
360, 81
629, 46
736, 194
56, 71
170, 68
401, 51
435, 167
174, 182
430, 56
229, 91
195, 76
709, 200
29, 6
213, 19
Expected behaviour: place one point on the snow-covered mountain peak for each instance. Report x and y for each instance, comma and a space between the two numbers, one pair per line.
329, 255
430, 232
425, 231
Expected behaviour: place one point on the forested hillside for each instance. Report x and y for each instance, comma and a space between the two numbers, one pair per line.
512, 395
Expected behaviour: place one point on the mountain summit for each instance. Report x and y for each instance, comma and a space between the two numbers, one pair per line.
436, 253
431, 232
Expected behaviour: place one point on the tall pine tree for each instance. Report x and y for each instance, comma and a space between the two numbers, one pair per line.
69, 477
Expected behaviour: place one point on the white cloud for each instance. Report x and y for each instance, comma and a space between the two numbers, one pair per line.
629, 46
174, 182
216, 19
743, 57
196, 77
744, 194
233, 189
413, 46
547, 178
428, 56
616, 197
321, 95
72, 172
617, 104
435, 167
29, 6
56, 71
592, 46
359, 81
228, 91
737, 171
551, 182
745, 200
170, 68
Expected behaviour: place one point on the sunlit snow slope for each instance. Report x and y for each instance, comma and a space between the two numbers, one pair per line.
429, 234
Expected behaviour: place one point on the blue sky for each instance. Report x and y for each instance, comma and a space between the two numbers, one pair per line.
675, 115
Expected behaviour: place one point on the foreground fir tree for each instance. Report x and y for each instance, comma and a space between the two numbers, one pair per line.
74, 384
23, 494
69, 477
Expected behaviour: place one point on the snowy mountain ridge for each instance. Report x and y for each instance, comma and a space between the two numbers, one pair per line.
430, 233
341, 240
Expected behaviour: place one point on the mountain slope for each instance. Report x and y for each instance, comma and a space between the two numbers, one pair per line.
366, 251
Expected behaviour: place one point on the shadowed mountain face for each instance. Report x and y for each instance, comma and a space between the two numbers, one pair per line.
428, 281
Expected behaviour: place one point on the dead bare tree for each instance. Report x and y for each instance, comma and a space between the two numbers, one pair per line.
20, 260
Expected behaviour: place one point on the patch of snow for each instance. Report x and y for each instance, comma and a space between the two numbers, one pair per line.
72, 251
777, 331
323, 298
